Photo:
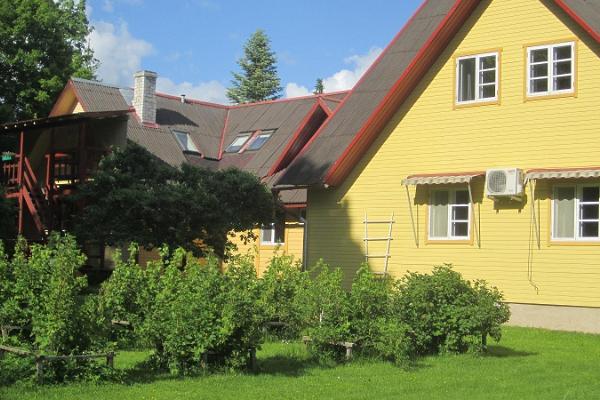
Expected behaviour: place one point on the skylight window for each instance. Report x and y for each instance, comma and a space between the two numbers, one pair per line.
238, 143
260, 139
185, 141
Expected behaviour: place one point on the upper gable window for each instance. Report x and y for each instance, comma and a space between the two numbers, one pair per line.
550, 69
239, 142
260, 139
477, 78
185, 141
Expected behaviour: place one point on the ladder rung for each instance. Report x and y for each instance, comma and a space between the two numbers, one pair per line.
379, 222
379, 273
378, 239
378, 256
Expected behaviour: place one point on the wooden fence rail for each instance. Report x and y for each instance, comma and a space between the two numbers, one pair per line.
41, 359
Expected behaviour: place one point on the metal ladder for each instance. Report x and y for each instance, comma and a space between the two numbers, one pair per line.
388, 238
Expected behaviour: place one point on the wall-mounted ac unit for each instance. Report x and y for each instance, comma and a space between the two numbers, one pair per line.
504, 182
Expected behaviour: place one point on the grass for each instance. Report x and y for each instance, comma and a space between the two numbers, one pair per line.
528, 364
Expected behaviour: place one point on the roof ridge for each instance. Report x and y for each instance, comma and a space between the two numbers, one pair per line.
98, 83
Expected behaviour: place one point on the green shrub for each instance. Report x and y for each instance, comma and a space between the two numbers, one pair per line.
43, 293
448, 313
284, 288
372, 324
122, 299
328, 312
198, 309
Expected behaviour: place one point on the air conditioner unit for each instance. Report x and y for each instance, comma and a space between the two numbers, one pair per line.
504, 182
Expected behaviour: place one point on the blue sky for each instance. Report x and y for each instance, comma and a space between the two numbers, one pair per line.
194, 44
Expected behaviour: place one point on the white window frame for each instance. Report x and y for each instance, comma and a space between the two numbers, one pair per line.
451, 204
271, 228
577, 220
478, 72
267, 132
551, 61
191, 145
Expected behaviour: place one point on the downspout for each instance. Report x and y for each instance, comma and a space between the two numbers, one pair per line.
304, 221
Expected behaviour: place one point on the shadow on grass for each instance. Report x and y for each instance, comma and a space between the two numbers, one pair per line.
505, 352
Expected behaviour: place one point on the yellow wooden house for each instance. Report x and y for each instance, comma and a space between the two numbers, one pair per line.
473, 140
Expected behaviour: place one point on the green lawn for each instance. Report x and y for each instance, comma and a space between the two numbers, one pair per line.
528, 364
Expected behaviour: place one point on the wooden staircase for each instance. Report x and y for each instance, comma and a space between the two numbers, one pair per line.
22, 184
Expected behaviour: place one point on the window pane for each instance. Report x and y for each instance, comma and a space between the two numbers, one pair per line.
237, 144
460, 213
279, 232
259, 141
562, 83
487, 62
487, 92
589, 211
590, 194
562, 68
487, 77
563, 52
539, 85
462, 197
267, 234
460, 229
589, 230
438, 226
466, 80
539, 55
539, 70
564, 213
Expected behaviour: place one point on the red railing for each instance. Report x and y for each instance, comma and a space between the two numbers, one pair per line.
10, 174
61, 169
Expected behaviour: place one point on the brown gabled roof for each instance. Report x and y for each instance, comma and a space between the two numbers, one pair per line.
346, 136
213, 127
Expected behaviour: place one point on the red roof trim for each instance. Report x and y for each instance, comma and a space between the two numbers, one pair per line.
312, 96
223, 132
276, 166
578, 19
324, 106
412, 75
294, 205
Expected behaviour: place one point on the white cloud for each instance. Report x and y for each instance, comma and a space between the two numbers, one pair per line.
344, 79
120, 53
295, 90
212, 91
347, 78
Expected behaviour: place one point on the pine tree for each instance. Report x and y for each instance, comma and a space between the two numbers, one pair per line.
258, 80
319, 88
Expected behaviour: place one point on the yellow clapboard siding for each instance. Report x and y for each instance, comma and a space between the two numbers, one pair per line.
429, 135
293, 246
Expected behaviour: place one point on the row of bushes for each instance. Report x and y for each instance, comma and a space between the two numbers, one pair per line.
183, 308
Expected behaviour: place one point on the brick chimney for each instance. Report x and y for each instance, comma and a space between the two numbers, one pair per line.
144, 97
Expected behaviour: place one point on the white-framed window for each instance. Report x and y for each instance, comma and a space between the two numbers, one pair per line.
273, 234
551, 69
259, 140
576, 212
239, 142
477, 78
449, 214
185, 141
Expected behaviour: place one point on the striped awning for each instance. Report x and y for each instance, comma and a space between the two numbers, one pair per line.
563, 173
442, 178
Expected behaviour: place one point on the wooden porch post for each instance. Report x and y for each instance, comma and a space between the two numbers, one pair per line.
20, 178
82, 152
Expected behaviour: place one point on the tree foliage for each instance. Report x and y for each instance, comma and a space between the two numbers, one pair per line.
7, 216
258, 80
319, 87
134, 197
42, 44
